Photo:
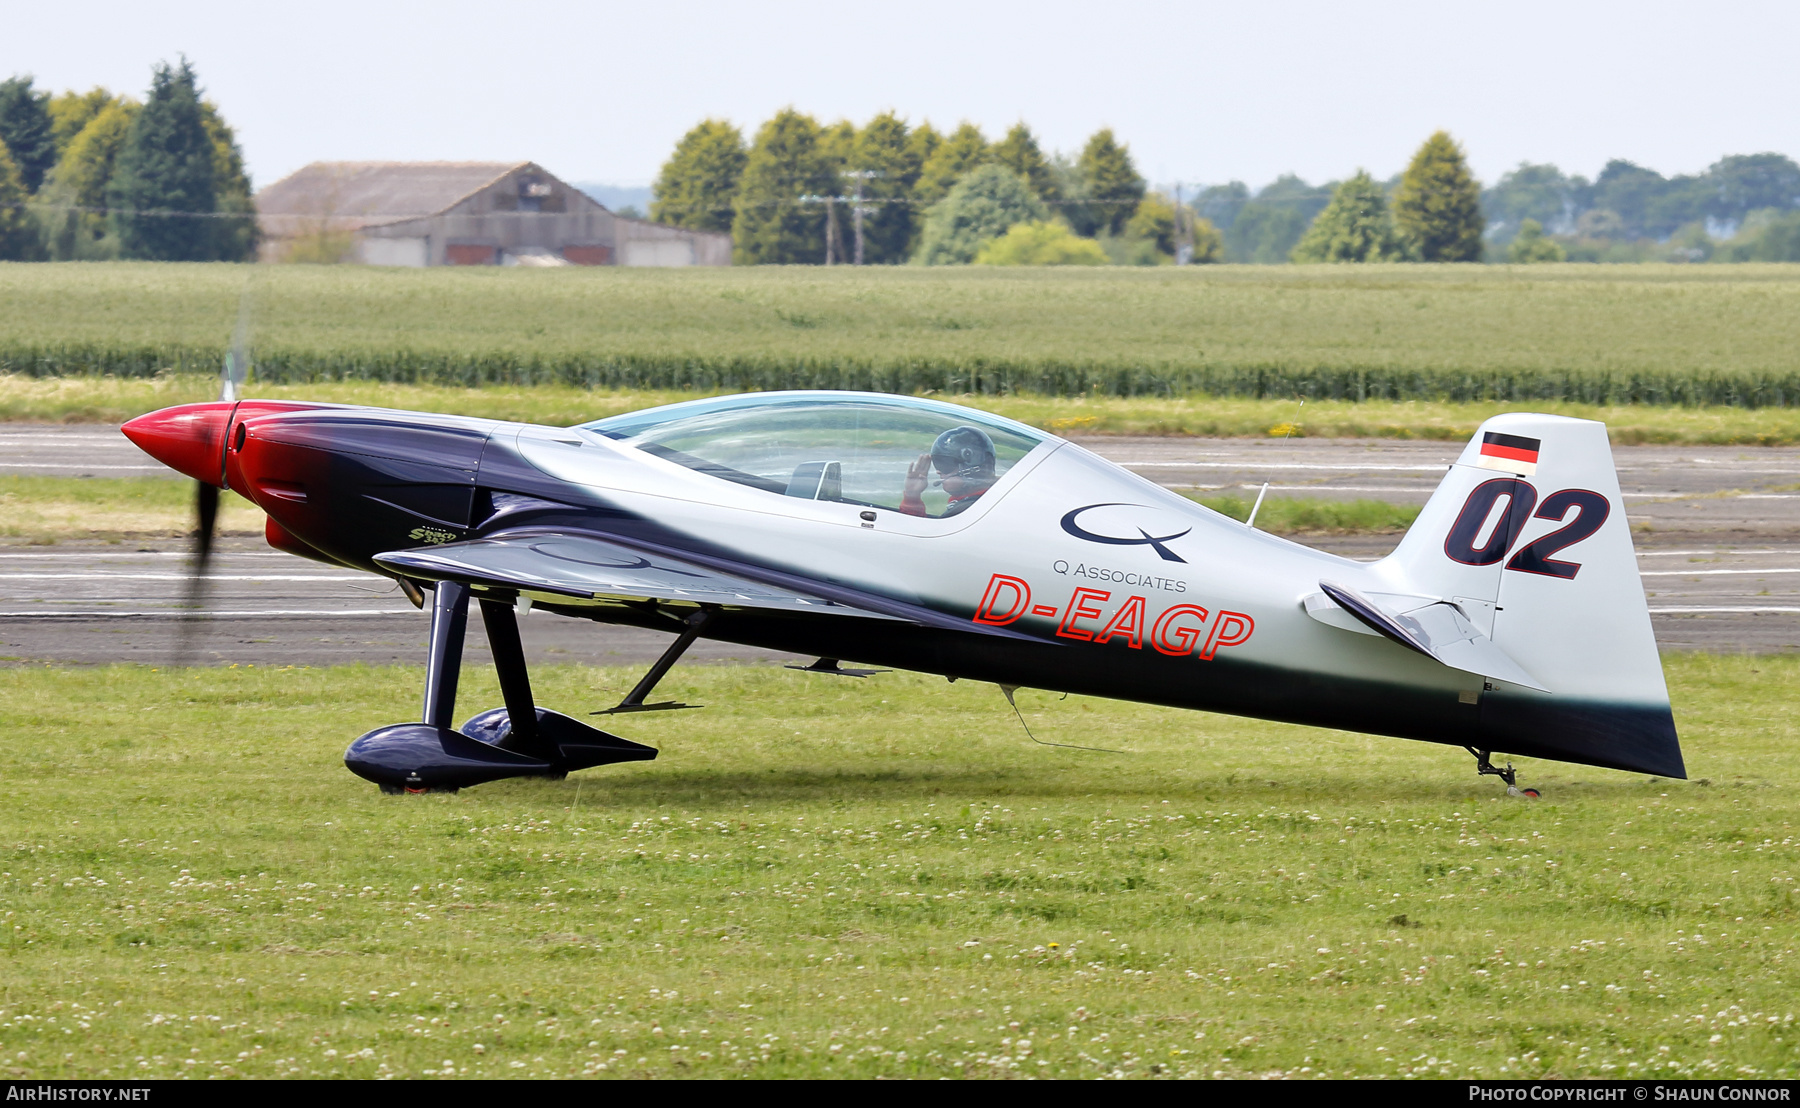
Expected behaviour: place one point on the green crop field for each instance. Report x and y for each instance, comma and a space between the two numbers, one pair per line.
1577, 333
880, 878
103, 399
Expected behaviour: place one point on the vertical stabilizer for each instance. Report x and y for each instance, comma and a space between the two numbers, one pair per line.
1527, 535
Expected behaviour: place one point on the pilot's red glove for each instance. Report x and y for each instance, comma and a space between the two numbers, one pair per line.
911, 500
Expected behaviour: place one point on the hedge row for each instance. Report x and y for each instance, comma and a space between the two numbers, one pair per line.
974, 376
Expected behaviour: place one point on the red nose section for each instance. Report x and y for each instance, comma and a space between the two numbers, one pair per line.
189, 438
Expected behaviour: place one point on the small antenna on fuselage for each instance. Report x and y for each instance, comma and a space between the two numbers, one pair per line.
1257, 507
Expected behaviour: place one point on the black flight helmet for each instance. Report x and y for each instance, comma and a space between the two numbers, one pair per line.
965, 452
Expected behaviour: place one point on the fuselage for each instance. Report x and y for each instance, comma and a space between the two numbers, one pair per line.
1106, 584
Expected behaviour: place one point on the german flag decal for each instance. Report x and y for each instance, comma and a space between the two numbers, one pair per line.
1512, 453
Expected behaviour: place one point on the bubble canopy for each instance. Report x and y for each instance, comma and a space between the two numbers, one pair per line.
847, 447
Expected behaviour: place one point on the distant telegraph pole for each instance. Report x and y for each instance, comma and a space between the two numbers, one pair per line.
831, 231
1184, 232
857, 213
856, 210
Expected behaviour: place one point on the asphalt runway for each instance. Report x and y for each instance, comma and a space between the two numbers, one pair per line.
1717, 529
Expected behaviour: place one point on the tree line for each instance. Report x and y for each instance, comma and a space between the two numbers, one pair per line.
93, 175
1742, 208
802, 193
799, 192
96, 175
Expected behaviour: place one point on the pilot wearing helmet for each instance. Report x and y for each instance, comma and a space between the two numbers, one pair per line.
964, 460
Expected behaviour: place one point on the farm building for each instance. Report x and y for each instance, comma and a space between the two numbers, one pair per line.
461, 213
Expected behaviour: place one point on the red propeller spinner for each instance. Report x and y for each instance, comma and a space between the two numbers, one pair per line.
188, 438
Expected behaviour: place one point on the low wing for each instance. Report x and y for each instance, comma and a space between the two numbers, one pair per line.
591, 568
1437, 630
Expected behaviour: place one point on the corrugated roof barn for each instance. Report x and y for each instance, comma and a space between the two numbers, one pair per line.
462, 213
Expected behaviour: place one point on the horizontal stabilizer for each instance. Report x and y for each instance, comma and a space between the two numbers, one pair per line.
1436, 629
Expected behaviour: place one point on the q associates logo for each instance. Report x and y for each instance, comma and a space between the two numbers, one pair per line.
1161, 618
1128, 525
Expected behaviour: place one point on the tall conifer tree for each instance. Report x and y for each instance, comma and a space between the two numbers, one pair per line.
1438, 206
965, 149
697, 183
18, 238
780, 219
1019, 152
167, 166
837, 143
26, 130
883, 148
1112, 183
924, 141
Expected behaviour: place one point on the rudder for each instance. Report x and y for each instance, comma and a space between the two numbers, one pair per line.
1527, 534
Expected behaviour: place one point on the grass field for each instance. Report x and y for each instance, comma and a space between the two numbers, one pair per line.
882, 877
1297, 515
101, 399
1581, 333
48, 509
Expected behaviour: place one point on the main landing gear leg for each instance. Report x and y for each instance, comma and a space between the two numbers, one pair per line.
443, 661
1486, 768
515, 680
634, 700
443, 667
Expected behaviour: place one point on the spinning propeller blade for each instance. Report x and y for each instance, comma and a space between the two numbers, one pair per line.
232, 376
206, 514
237, 360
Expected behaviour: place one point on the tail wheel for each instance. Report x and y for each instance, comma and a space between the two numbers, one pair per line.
1530, 793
